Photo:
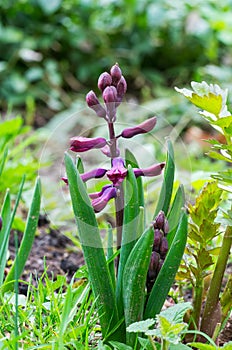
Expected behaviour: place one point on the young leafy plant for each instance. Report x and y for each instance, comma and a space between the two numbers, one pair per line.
148, 255
212, 100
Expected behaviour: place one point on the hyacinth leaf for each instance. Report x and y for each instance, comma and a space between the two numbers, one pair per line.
167, 185
129, 231
175, 213
5, 233
134, 280
90, 239
27, 241
80, 165
4, 236
130, 159
110, 255
168, 271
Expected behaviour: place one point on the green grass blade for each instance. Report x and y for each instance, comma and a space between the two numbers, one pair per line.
28, 239
168, 271
92, 248
167, 185
4, 234
129, 231
134, 280
7, 226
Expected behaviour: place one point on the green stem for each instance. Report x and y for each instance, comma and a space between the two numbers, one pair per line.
215, 286
165, 344
152, 342
197, 302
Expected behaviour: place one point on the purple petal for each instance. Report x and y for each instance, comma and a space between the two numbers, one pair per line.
82, 144
142, 128
154, 170
100, 203
65, 179
118, 171
96, 173
98, 194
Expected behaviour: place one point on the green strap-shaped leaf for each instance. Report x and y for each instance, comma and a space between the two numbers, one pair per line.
175, 213
131, 160
129, 230
167, 186
27, 241
134, 280
92, 248
168, 271
3, 160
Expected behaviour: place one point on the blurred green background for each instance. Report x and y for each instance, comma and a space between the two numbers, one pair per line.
53, 50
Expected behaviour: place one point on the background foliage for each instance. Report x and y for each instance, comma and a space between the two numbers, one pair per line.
52, 50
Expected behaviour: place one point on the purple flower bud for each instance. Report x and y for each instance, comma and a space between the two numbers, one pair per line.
159, 220
164, 247
166, 227
96, 173
82, 144
118, 171
0, 223
116, 74
157, 240
100, 202
142, 128
93, 102
161, 262
121, 89
106, 150
110, 97
154, 170
104, 80
154, 262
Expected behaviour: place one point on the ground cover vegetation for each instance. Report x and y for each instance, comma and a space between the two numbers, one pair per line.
156, 247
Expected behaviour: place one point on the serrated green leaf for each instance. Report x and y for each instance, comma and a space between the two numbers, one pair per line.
120, 346
141, 326
175, 313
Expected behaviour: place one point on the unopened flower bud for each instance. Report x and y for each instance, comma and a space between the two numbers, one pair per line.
161, 262
104, 80
82, 144
154, 170
93, 174
154, 263
121, 88
116, 74
106, 151
157, 240
159, 220
110, 97
93, 102
142, 128
163, 247
166, 227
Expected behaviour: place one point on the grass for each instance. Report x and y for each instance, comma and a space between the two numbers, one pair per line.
54, 315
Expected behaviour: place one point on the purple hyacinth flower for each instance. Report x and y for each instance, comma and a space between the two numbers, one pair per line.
93, 174
116, 74
93, 102
95, 195
154, 170
142, 128
100, 202
118, 171
82, 144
